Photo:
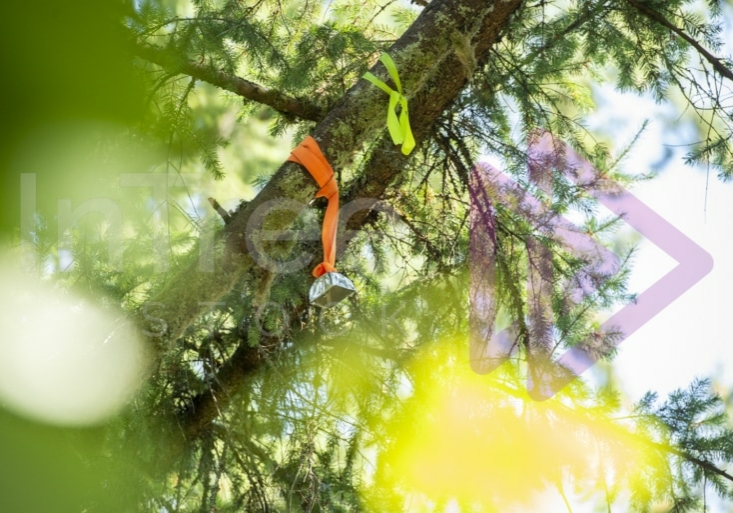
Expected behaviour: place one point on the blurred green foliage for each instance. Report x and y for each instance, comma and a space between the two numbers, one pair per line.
63, 64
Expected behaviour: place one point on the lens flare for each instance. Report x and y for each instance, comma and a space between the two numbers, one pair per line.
65, 360
482, 440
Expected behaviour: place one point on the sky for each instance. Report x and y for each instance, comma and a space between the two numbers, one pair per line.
690, 337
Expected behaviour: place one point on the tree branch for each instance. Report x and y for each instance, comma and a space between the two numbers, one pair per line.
433, 75
710, 467
430, 73
716, 63
280, 102
206, 406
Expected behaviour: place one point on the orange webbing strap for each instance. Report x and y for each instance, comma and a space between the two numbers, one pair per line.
308, 154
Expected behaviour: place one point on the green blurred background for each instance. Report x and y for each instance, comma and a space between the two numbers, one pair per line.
64, 65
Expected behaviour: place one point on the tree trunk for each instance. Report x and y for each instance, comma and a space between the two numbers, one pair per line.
434, 62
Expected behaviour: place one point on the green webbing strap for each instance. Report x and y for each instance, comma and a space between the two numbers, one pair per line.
399, 130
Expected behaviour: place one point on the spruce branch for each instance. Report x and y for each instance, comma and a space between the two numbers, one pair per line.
714, 61
419, 235
706, 465
272, 98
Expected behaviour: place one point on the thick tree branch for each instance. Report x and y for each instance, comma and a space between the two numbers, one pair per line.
715, 62
206, 406
430, 73
237, 85
433, 94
